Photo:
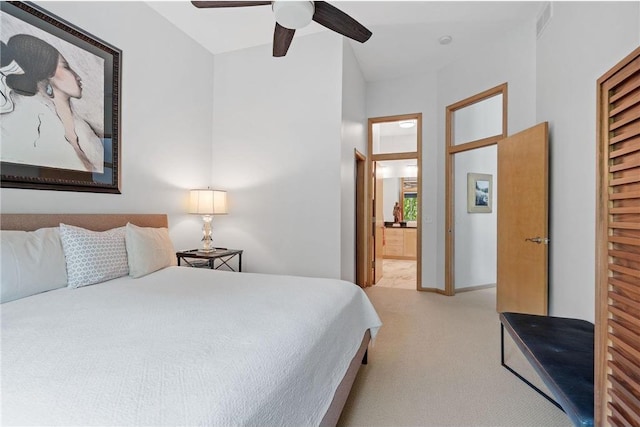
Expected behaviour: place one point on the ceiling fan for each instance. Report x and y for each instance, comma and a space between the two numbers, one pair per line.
293, 15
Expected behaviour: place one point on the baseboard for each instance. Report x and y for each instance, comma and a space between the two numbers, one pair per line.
434, 290
476, 288
470, 288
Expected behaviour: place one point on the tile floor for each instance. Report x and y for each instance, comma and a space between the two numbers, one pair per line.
398, 274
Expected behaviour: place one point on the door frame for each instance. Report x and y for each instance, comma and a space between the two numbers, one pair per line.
451, 151
361, 243
370, 196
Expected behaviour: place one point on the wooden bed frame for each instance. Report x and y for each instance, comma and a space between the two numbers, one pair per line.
102, 222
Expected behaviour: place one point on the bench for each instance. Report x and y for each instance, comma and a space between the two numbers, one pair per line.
561, 352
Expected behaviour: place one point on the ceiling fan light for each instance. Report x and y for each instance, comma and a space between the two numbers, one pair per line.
293, 14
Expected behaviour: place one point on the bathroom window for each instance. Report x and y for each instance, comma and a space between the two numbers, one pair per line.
410, 199
410, 206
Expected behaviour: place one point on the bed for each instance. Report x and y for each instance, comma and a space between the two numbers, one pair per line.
181, 346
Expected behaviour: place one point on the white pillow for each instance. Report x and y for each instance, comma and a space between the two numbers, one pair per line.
149, 249
93, 256
32, 262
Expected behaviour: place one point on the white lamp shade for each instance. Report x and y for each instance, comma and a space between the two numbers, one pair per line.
208, 202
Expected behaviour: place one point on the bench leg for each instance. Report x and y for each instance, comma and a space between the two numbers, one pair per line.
542, 393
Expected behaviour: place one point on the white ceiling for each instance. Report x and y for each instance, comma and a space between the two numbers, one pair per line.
405, 33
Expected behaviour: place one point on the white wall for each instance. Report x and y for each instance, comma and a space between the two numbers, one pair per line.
581, 42
416, 94
510, 58
277, 150
354, 136
476, 234
166, 113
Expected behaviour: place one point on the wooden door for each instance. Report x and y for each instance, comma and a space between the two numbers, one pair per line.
379, 228
617, 358
361, 221
522, 280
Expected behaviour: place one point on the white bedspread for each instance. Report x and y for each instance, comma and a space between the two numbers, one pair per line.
182, 346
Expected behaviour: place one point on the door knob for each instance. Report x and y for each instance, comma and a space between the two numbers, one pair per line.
537, 240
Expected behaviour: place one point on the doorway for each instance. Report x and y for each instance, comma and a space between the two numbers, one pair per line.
395, 240
397, 201
514, 243
473, 128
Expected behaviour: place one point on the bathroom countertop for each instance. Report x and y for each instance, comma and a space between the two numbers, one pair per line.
400, 226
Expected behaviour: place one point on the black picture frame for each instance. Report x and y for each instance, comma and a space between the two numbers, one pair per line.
102, 79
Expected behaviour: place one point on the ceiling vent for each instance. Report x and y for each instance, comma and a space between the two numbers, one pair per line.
544, 18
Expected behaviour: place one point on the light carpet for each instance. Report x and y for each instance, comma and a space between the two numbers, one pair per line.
436, 362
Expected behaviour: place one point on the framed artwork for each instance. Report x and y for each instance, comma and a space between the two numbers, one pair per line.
479, 193
59, 104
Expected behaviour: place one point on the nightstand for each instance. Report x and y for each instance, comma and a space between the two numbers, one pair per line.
197, 258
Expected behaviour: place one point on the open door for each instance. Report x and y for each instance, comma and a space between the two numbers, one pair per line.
522, 276
378, 220
361, 276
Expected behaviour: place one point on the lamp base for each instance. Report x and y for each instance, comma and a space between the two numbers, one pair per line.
207, 241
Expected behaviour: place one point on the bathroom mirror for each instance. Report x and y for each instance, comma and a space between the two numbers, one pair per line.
400, 185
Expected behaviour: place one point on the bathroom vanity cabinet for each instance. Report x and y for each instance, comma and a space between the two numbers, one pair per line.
400, 243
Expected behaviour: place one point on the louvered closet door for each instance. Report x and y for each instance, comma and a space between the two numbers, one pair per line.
618, 298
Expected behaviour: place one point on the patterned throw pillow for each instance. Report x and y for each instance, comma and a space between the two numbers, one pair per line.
93, 256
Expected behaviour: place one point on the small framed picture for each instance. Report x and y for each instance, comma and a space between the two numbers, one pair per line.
59, 104
479, 193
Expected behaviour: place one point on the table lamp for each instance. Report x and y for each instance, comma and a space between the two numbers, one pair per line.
207, 203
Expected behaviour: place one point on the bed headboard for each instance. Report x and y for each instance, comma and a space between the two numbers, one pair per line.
95, 222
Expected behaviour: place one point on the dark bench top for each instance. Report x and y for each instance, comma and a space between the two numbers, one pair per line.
561, 351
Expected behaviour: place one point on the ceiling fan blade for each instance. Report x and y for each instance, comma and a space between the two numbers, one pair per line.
338, 21
281, 40
205, 4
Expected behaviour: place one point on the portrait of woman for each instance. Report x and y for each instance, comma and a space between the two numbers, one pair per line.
40, 122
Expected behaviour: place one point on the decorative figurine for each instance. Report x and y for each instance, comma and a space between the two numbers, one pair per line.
397, 213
